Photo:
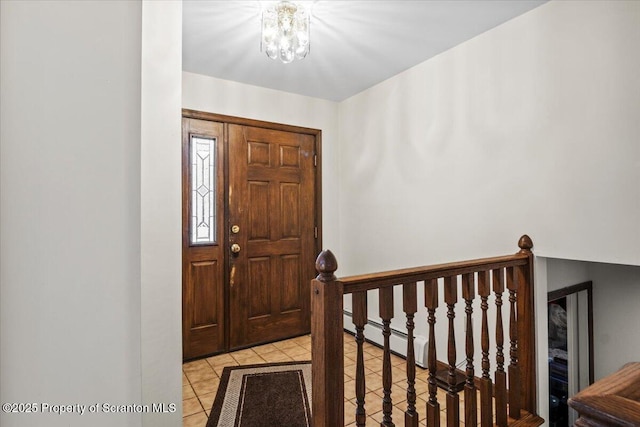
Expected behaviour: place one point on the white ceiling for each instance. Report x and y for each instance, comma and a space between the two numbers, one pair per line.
354, 44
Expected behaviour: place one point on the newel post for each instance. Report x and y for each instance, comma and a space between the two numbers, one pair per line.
526, 326
327, 344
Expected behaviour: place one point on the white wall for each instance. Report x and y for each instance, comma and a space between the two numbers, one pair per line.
563, 273
540, 279
161, 212
531, 127
616, 318
218, 96
70, 208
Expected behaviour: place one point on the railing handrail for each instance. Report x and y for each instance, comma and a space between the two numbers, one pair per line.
365, 282
510, 275
613, 400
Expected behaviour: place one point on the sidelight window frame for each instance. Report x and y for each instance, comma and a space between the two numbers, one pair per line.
197, 200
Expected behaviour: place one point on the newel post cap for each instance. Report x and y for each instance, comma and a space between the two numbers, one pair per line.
525, 243
326, 264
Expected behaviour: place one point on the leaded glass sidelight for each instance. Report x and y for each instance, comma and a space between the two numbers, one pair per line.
203, 190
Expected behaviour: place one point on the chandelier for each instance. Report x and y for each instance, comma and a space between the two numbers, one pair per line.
285, 31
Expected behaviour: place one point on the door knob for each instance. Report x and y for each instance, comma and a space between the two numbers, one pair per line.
235, 248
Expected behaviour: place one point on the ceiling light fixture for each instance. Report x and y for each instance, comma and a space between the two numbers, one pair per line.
285, 31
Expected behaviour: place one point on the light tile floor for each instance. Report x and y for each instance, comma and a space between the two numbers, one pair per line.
200, 380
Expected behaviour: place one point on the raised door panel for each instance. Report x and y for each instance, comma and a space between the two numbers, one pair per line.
204, 277
259, 294
290, 210
260, 215
290, 293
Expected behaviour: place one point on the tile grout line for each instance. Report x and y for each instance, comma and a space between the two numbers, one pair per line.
298, 349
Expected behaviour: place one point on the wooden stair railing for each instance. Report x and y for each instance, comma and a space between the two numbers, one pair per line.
611, 401
513, 389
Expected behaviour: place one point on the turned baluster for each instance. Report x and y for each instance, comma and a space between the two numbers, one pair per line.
486, 389
386, 314
410, 306
500, 374
431, 302
453, 402
470, 399
514, 369
359, 302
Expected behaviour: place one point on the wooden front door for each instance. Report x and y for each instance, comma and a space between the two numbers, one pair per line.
249, 232
271, 201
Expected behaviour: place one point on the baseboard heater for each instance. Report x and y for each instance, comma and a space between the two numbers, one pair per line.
397, 340
398, 344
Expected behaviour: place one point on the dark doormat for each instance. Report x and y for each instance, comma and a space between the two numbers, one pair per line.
273, 394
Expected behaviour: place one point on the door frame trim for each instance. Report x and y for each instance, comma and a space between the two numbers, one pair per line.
227, 120
570, 290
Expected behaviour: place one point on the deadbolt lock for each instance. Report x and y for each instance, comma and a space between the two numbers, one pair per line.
235, 229
235, 248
